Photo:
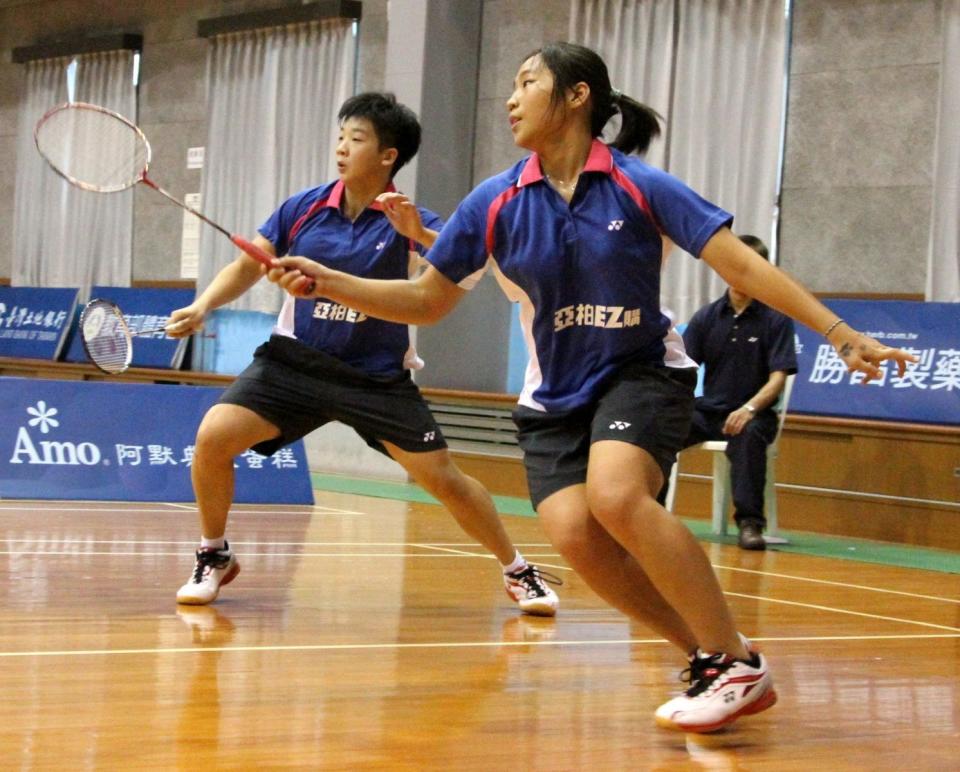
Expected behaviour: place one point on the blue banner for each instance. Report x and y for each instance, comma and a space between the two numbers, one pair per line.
34, 320
928, 392
143, 308
102, 441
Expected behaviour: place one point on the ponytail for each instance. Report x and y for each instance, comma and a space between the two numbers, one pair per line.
639, 124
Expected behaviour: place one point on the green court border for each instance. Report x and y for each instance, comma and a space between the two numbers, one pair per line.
801, 542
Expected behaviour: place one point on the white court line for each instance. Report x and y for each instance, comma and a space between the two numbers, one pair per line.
110, 553
842, 584
459, 554
307, 509
440, 645
279, 543
843, 611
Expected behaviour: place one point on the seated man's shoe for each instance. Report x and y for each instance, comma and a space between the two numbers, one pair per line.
751, 537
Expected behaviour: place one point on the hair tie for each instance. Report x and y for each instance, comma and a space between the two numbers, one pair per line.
615, 94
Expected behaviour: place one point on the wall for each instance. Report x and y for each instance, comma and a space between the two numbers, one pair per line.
172, 98
861, 120
857, 182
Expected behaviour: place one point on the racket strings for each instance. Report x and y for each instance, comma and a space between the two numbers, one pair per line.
93, 149
106, 338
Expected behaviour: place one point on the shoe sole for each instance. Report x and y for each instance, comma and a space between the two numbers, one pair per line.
540, 610
228, 577
767, 700
534, 609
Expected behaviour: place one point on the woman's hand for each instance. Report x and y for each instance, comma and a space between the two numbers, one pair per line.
861, 353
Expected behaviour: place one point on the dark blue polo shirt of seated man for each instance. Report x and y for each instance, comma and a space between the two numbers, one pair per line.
747, 350
738, 351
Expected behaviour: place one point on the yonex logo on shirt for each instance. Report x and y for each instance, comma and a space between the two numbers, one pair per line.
336, 312
429, 436
615, 225
621, 425
587, 315
381, 245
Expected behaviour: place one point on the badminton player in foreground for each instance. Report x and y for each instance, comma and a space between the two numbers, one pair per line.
574, 233
326, 362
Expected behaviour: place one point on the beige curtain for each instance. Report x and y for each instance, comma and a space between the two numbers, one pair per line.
63, 236
943, 261
272, 100
716, 72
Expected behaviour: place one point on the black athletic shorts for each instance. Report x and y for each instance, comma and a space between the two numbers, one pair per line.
650, 407
299, 389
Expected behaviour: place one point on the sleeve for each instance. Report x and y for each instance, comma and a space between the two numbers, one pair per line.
782, 350
693, 337
684, 215
277, 226
460, 252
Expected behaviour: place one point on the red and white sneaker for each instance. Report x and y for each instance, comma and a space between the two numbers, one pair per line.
528, 587
213, 569
722, 689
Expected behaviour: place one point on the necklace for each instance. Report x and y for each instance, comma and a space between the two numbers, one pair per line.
561, 183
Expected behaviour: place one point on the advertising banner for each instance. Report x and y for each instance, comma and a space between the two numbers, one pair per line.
100, 441
143, 309
34, 321
928, 392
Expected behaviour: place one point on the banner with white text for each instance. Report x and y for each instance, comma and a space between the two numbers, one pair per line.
34, 320
101, 441
928, 392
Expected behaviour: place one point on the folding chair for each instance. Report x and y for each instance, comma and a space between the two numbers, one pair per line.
721, 476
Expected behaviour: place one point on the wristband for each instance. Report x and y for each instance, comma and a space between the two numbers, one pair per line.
749, 408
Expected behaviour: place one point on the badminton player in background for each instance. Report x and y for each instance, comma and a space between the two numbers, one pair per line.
326, 362
574, 234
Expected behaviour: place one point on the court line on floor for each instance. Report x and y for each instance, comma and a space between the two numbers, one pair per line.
833, 583
446, 645
313, 509
447, 548
835, 610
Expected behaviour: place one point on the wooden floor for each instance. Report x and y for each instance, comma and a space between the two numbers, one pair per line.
368, 633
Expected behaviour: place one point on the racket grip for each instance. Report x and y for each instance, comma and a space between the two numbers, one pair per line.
255, 252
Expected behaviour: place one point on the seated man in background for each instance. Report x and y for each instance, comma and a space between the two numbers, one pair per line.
747, 350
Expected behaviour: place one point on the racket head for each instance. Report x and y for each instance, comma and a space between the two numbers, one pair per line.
92, 147
106, 337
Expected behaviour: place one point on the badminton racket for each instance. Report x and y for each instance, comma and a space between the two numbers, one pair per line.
107, 337
99, 150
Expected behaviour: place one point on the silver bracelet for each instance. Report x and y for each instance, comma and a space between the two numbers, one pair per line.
832, 327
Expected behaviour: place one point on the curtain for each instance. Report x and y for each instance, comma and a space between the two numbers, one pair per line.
716, 72
273, 96
63, 236
943, 259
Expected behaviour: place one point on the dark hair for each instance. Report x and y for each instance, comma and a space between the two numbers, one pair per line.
396, 125
756, 245
571, 64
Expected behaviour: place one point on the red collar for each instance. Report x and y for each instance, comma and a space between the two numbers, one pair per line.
336, 196
599, 160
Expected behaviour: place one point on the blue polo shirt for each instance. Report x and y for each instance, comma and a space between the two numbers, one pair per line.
587, 274
311, 224
738, 352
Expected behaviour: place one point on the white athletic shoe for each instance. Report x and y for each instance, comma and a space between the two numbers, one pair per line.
213, 569
722, 689
529, 589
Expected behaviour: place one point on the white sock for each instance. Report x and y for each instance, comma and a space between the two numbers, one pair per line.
213, 544
519, 562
